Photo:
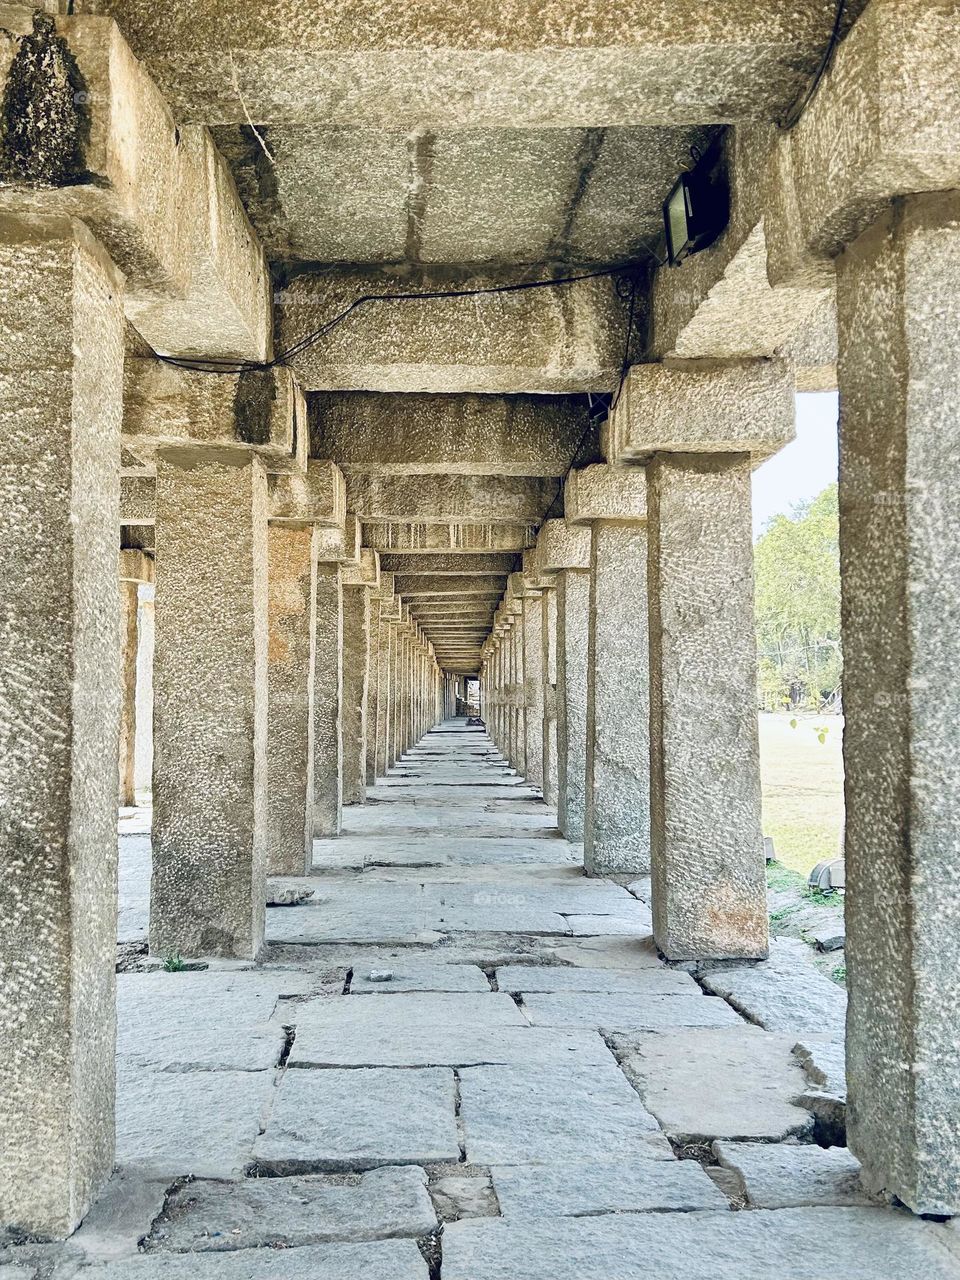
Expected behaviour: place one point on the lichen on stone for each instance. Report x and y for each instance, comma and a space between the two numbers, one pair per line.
44, 122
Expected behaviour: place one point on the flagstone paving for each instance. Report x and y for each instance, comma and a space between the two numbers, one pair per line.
461, 1059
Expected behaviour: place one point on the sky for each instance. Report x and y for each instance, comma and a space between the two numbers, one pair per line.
805, 467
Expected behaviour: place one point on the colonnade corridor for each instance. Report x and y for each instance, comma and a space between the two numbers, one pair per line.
461, 1058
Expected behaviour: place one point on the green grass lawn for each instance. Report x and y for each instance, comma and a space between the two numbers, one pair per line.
802, 781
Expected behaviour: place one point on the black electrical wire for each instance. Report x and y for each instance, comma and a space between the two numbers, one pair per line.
806, 98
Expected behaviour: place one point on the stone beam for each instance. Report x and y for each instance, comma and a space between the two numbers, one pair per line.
548, 65
450, 499
450, 435
440, 565
410, 586
316, 496
743, 407
548, 341
413, 537
161, 199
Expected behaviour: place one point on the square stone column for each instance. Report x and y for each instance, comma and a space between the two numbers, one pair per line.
531, 638
328, 702
898, 295
707, 862
548, 601
207, 891
356, 659
612, 500
61, 393
377, 675
136, 568
384, 683
563, 550
291, 657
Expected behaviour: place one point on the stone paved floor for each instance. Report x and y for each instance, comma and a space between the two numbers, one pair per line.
463, 1060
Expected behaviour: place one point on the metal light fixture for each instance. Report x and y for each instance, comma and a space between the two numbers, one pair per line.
697, 210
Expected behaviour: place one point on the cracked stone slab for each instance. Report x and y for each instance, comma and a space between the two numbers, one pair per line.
852, 1244
417, 975
564, 978
170, 1124
551, 1113
347, 1120
786, 1176
626, 1011
594, 1186
785, 993
396, 1259
121, 1216
635, 923
269, 1212
465, 1196
717, 1082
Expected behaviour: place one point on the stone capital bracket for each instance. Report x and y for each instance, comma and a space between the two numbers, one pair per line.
136, 566
365, 573
389, 608
562, 546
536, 577
604, 492
385, 584
695, 406
341, 544
315, 496
885, 123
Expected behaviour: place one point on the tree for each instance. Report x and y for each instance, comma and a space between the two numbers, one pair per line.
797, 564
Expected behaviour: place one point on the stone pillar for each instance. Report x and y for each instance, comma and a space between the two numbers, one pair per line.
377, 674
707, 862
60, 406
384, 683
135, 568
328, 702
531, 638
548, 601
356, 657
143, 751
292, 613
898, 297
207, 892
612, 500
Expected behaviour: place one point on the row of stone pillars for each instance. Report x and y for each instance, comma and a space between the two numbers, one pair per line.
619, 677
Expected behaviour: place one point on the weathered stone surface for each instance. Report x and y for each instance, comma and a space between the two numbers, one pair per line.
543, 341
315, 496
606, 493
784, 1176
415, 536
174, 1123
356, 690
287, 895
597, 1187
348, 1120
166, 406
510, 71
828, 936
885, 123
786, 993
121, 1216
717, 1082
573, 630
328, 702
551, 1111
449, 498
743, 407
562, 978
625, 1011
448, 435
291, 1212
562, 546
864, 1244
291, 651
60, 408
707, 863
420, 975
617, 812
399, 1259
210, 718
467, 1196
160, 198
899, 324
448, 564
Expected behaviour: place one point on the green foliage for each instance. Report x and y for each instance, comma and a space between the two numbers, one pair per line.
174, 962
797, 561
839, 974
